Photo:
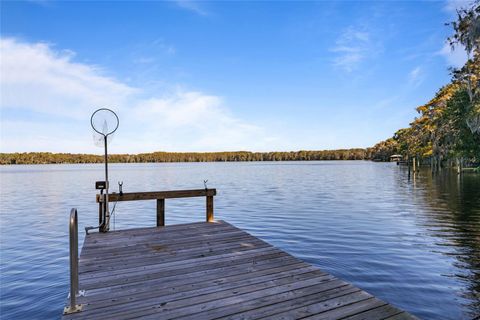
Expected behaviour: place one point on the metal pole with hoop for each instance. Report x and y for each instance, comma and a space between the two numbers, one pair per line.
105, 122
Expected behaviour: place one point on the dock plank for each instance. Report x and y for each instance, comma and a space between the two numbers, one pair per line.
185, 291
210, 271
213, 277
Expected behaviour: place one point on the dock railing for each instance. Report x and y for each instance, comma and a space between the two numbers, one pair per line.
73, 230
160, 196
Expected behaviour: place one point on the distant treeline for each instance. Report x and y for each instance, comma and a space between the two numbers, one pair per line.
48, 158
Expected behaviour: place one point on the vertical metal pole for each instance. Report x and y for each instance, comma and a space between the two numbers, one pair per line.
107, 211
100, 210
73, 264
73, 259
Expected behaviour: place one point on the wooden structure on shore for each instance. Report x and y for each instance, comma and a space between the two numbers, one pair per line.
207, 270
396, 158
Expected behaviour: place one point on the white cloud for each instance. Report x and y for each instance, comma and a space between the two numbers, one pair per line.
164, 46
179, 117
454, 58
191, 5
452, 6
36, 78
159, 49
352, 47
415, 77
144, 60
47, 98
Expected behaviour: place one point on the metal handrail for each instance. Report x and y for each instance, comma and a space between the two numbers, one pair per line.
73, 226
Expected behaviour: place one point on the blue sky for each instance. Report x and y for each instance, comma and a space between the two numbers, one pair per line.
213, 76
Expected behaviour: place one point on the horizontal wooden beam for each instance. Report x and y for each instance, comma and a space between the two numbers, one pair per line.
134, 196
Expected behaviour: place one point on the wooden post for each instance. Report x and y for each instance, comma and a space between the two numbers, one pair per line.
209, 208
408, 165
160, 212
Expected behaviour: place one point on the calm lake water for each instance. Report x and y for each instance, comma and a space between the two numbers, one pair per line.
414, 243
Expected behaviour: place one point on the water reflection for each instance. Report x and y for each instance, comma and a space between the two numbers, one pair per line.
414, 243
453, 218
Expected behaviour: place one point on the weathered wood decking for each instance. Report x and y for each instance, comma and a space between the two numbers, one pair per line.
210, 271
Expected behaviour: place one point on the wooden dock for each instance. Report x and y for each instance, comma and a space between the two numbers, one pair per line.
210, 270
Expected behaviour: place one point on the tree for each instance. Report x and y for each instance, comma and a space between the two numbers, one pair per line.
467, 34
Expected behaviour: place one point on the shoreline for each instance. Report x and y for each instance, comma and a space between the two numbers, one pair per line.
168, 157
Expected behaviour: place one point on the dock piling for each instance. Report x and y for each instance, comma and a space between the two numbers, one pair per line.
160, 212
210, 209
